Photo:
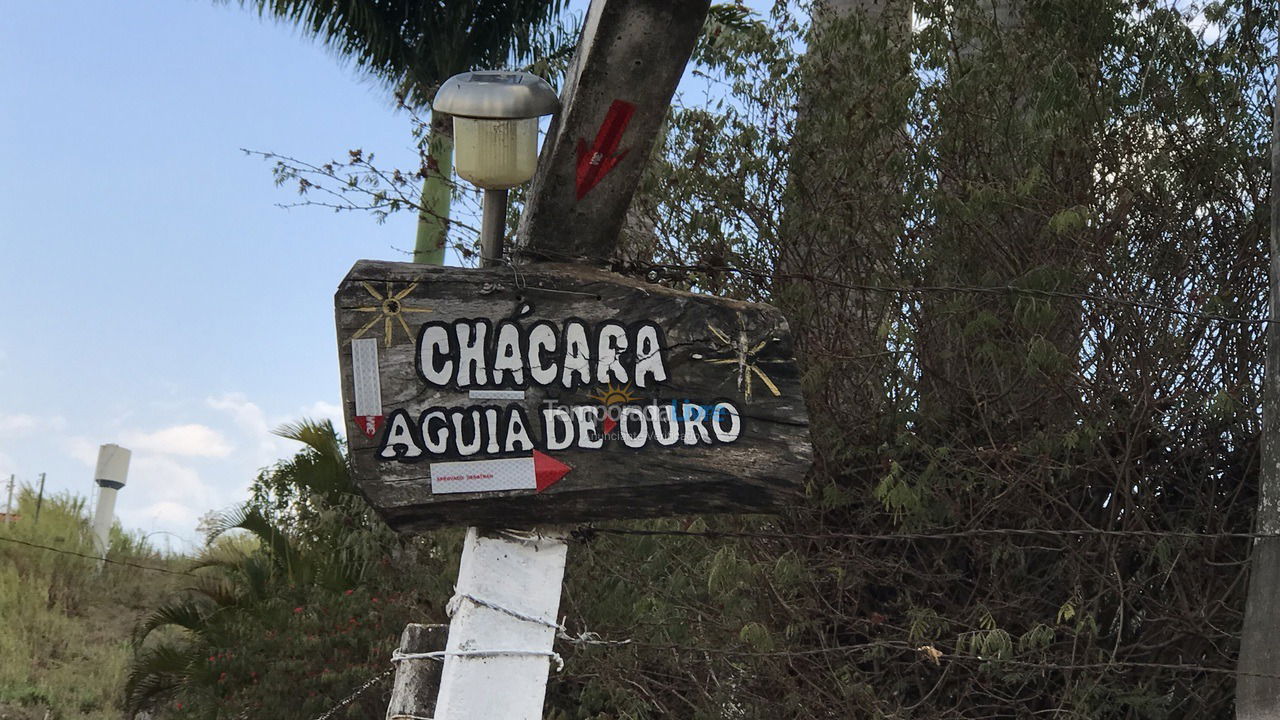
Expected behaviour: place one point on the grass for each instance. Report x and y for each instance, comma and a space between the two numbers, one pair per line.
65, 623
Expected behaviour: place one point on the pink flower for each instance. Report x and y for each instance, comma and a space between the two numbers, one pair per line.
297, 610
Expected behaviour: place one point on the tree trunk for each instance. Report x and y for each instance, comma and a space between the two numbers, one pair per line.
1258, 698
437, 192
997, 366
843, 221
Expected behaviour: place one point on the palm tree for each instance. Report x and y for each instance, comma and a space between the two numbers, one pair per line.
288, 545
412, 47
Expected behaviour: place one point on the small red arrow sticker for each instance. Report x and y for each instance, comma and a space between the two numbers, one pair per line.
596, 162
369, 424
547, 470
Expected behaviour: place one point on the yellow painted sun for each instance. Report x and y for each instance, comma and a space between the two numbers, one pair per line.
612, 395
743, 354
389, 311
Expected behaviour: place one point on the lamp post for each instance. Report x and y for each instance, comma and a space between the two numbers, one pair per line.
499, 645
495, 139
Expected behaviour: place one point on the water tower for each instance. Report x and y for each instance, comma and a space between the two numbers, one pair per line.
113, 467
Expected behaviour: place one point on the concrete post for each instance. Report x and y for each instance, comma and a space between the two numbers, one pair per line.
504, 624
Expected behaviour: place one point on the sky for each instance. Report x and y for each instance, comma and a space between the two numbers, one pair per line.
155, 296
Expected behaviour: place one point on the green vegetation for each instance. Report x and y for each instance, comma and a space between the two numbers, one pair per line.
1001, 244
284, 619
64, 638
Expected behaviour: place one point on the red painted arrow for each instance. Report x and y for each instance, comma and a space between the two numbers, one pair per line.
547, 470
596, 162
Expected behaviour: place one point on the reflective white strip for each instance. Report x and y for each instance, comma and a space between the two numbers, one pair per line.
364, 375
496, 394
483, 475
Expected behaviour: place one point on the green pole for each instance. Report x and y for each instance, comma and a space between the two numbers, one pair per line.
437, 193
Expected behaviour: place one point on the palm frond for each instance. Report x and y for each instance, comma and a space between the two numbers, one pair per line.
219, 590
291, 562
156, 672
322, 467
417, 45
189, 613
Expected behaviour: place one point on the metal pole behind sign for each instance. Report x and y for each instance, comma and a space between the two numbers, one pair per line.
492, 227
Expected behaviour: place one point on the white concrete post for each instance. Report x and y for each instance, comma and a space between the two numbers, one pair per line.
113, 467
503, 626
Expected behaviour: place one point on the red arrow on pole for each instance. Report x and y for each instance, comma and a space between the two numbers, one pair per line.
596, 162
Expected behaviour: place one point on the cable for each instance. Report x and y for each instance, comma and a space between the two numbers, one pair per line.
936, 656
586, 533
440, 655
357, 693
124, 563
648, 268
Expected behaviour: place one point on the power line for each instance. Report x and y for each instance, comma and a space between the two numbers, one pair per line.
586, 533
649, 269
992, 290
931, 654
123, 563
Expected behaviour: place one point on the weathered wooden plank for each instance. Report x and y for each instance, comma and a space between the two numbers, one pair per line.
629, 60
662, 402
413, 694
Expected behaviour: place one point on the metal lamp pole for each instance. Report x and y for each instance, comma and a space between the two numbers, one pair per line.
492, 227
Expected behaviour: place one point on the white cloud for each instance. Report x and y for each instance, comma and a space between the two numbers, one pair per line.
83, 449
22, 423
189, 440
163, 516
165, 495
246, 414
7, 468
252, 421
321, 410
155, 477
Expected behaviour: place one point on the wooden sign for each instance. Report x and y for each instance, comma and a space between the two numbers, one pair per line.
558, 393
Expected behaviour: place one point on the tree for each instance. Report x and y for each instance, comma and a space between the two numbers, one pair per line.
311, 592
412, 47
843, 219
1081, 235
1258, 696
